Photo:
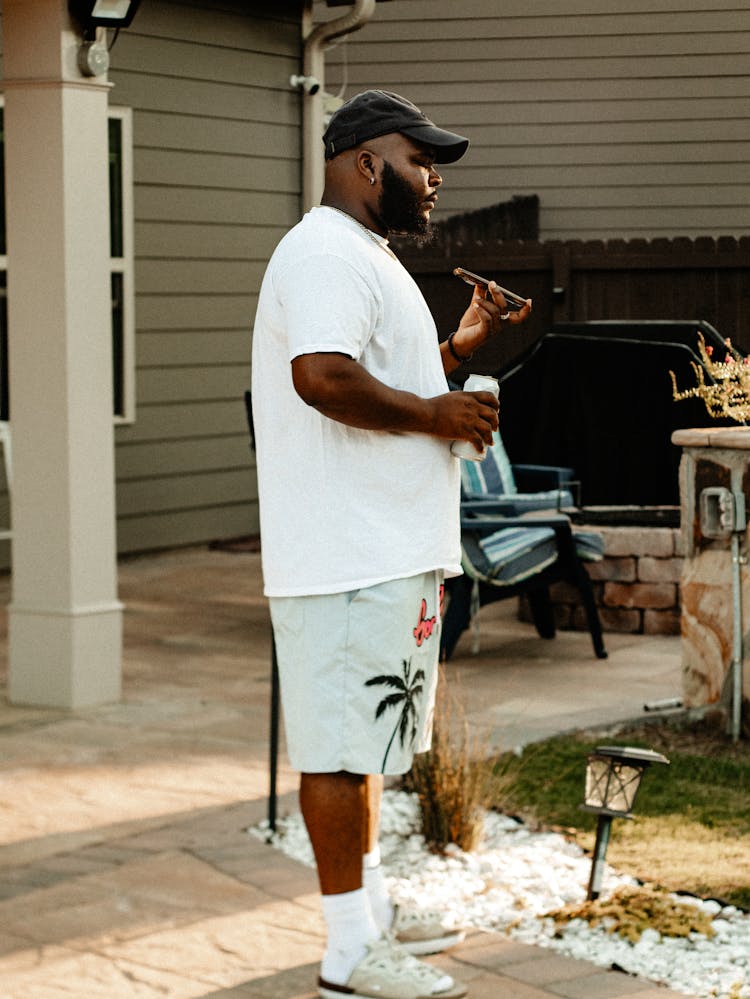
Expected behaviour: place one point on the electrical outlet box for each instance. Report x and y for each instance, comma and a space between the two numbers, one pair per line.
722, 512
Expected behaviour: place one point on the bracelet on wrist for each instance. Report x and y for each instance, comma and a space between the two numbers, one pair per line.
454, 353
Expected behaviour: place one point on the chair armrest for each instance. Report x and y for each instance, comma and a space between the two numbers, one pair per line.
532, 478
517, 504
502, 506
487, 521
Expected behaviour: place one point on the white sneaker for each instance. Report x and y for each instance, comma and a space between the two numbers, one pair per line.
387, 971
424, 931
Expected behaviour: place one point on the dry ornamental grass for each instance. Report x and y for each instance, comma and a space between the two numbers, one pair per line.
453, 779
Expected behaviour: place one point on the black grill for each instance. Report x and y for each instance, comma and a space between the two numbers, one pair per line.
597, 396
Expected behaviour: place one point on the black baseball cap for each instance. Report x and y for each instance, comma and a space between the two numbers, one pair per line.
378, 112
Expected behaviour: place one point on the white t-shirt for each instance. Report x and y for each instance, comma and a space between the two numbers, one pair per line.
343, 508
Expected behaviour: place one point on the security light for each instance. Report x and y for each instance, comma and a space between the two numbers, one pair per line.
93, 54
103, 13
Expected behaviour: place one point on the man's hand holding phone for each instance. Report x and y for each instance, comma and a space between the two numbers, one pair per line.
513, 302
484, 317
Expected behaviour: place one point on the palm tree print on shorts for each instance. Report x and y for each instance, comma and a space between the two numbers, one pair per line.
407, 689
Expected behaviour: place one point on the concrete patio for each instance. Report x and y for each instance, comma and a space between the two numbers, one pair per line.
125, 865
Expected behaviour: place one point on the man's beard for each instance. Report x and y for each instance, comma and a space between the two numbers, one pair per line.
401, 210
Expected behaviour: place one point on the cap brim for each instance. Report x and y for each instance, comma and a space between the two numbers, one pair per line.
448, 146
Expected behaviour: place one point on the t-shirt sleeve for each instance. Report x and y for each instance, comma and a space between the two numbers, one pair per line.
329, 306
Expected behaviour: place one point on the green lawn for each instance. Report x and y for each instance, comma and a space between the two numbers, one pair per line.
691, 830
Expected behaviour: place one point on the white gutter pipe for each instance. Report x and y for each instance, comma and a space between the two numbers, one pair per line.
313, 165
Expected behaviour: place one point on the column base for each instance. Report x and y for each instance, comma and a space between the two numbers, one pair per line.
65, 659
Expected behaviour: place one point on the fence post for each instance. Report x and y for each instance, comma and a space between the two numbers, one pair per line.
561, 294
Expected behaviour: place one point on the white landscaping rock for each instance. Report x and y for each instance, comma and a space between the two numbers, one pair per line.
517, 876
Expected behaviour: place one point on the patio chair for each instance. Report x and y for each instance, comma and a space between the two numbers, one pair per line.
518, 542
516, 489
505, 557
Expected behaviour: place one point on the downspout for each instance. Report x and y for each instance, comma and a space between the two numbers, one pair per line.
313, 166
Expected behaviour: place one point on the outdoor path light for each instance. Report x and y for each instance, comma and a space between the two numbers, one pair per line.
613, 776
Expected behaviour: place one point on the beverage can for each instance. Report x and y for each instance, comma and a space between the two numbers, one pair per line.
475, 383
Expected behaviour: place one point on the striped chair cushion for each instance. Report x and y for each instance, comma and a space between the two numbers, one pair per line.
509, 555
493, 476
589, 545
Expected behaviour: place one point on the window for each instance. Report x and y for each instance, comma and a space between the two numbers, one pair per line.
121, 267
121, 262
4, 410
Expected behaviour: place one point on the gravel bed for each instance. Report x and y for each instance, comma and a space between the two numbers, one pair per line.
518, 875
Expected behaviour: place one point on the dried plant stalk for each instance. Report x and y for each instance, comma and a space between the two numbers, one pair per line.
728, 395
452, 780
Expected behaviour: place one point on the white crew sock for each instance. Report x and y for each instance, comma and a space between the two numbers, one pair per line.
350, 928
373, 880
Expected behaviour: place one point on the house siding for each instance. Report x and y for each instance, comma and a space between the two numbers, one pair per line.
628, 119
216, 160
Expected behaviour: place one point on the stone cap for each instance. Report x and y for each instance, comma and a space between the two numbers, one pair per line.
726, 437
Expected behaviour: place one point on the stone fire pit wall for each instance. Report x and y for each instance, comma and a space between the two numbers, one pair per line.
636, 585
713, 457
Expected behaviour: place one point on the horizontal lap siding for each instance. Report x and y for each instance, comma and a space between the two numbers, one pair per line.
216, 131
625, 119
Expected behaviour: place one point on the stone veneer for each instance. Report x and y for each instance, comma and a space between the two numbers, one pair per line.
713, 457
636, 585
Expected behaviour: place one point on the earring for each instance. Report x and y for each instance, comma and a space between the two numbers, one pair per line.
372, 181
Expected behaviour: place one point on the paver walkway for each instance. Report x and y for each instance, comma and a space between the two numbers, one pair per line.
125, 865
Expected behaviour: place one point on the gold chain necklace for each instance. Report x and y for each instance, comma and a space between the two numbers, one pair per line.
372, 236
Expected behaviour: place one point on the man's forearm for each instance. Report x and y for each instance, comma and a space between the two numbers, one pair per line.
341, 389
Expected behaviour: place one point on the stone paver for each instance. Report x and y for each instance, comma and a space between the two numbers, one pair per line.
126, 868
541, 968
600, 985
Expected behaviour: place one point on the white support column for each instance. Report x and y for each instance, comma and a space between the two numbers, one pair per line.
65, 621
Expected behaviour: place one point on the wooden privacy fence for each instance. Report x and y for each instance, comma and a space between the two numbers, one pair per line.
574, 281
677, 278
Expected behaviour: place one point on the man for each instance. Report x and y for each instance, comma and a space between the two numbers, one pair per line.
359, 515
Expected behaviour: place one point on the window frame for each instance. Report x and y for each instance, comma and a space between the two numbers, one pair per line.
123, 265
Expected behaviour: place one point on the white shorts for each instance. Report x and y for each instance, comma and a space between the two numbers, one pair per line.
358, 675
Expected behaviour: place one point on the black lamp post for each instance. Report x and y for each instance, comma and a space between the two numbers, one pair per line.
613, 776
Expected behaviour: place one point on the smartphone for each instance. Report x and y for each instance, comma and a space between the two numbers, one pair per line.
515, 302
